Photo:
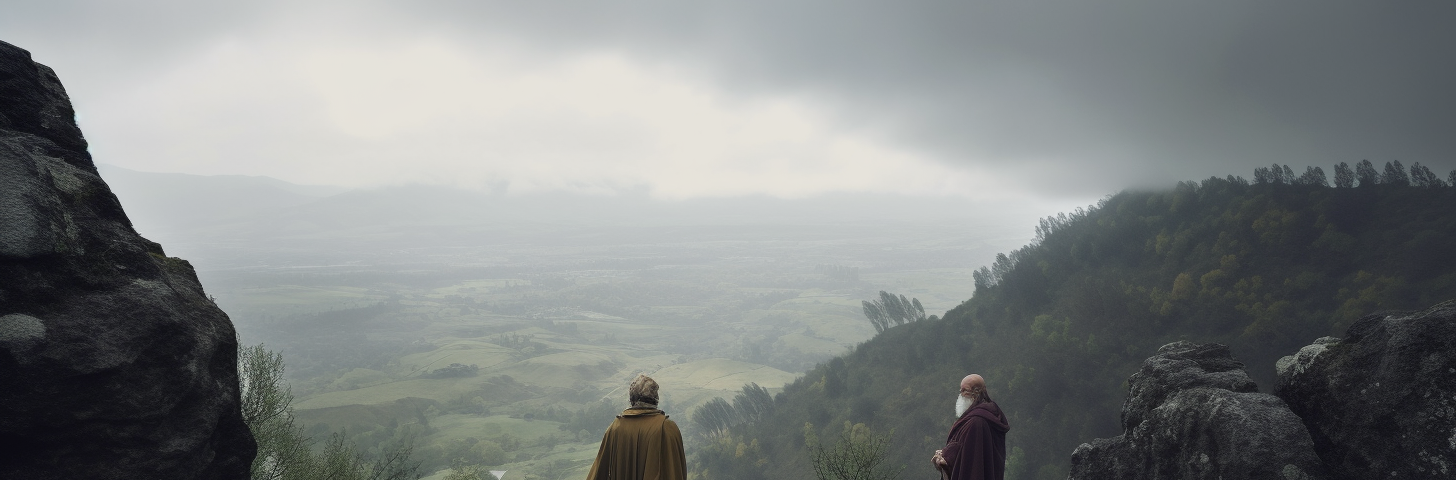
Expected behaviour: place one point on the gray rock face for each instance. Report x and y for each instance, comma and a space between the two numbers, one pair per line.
1380, 403
114, 364
1192, 413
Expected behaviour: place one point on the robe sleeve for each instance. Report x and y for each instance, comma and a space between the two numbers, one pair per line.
953, 448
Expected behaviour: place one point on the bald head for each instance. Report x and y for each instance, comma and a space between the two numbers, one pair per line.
974, 388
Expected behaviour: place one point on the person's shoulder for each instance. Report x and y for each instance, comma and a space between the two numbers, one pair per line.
985, 411
990, 413
988, 406
640, 412
669, 428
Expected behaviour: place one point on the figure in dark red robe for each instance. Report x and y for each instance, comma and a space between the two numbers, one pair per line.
976, 446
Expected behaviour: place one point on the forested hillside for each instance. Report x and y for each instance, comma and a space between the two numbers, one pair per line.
1057, 326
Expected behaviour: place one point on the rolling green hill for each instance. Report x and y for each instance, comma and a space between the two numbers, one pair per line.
1057, 326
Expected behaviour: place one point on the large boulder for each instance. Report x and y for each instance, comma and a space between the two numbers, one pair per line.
1193, 413
1381, 402
114, 364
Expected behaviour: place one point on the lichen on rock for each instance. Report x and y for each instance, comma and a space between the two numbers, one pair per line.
1193, 413
1380, 402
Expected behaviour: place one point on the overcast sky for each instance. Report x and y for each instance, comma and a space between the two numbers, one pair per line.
998, 99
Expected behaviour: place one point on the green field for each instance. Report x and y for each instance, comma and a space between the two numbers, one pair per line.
523, 371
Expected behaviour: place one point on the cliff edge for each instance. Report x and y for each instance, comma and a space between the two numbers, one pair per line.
1193, 413
1378, 403
1381, 402
114, 364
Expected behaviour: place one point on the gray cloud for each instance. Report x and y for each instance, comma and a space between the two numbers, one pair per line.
1100, 95
1067, 97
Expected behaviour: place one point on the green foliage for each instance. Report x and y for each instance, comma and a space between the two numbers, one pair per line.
1313, 176
715, 417
1365, 173
284, 449
1395, 174
892, 310
454, 370
459, 470
553, 470
838, 273
1057, 326
1344, 176
591, 421
753, 403
859, 454
728, 457
523, 346
1421, 176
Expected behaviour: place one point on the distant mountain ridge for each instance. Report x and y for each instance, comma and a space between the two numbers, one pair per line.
213, 199
232, 221
169, 201
182, 179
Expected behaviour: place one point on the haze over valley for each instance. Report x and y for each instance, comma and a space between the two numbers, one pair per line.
552, 301
444, 236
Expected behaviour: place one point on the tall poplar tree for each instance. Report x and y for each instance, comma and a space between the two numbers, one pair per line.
1395, 174
1344, 176
1365, 173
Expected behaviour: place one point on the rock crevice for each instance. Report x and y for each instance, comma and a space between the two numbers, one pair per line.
1193, 413
1380, 402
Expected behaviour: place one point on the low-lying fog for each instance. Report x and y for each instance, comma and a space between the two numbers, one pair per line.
550, 302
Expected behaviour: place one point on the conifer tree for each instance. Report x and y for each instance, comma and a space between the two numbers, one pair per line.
983, 280
1395, 174
1365, 173
753, 403
1313, 176
1344, 176
715, 417
1421, 176
891, 310
1262, 176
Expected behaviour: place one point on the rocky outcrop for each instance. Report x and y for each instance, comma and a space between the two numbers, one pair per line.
1193, 413
1381, 402
114, 364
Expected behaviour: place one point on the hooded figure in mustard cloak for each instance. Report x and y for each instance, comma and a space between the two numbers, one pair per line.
642, 443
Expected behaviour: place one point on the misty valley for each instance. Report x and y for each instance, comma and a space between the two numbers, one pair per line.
727, 241
522, 367
501, 344
506, 342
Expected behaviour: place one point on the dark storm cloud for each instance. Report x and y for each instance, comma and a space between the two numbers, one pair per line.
119, 38
1067, 97
1090, 96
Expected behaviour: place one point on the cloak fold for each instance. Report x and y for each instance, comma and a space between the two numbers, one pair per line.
976, 446
642, 443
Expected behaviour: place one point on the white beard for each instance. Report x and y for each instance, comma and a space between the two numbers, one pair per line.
963, 404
